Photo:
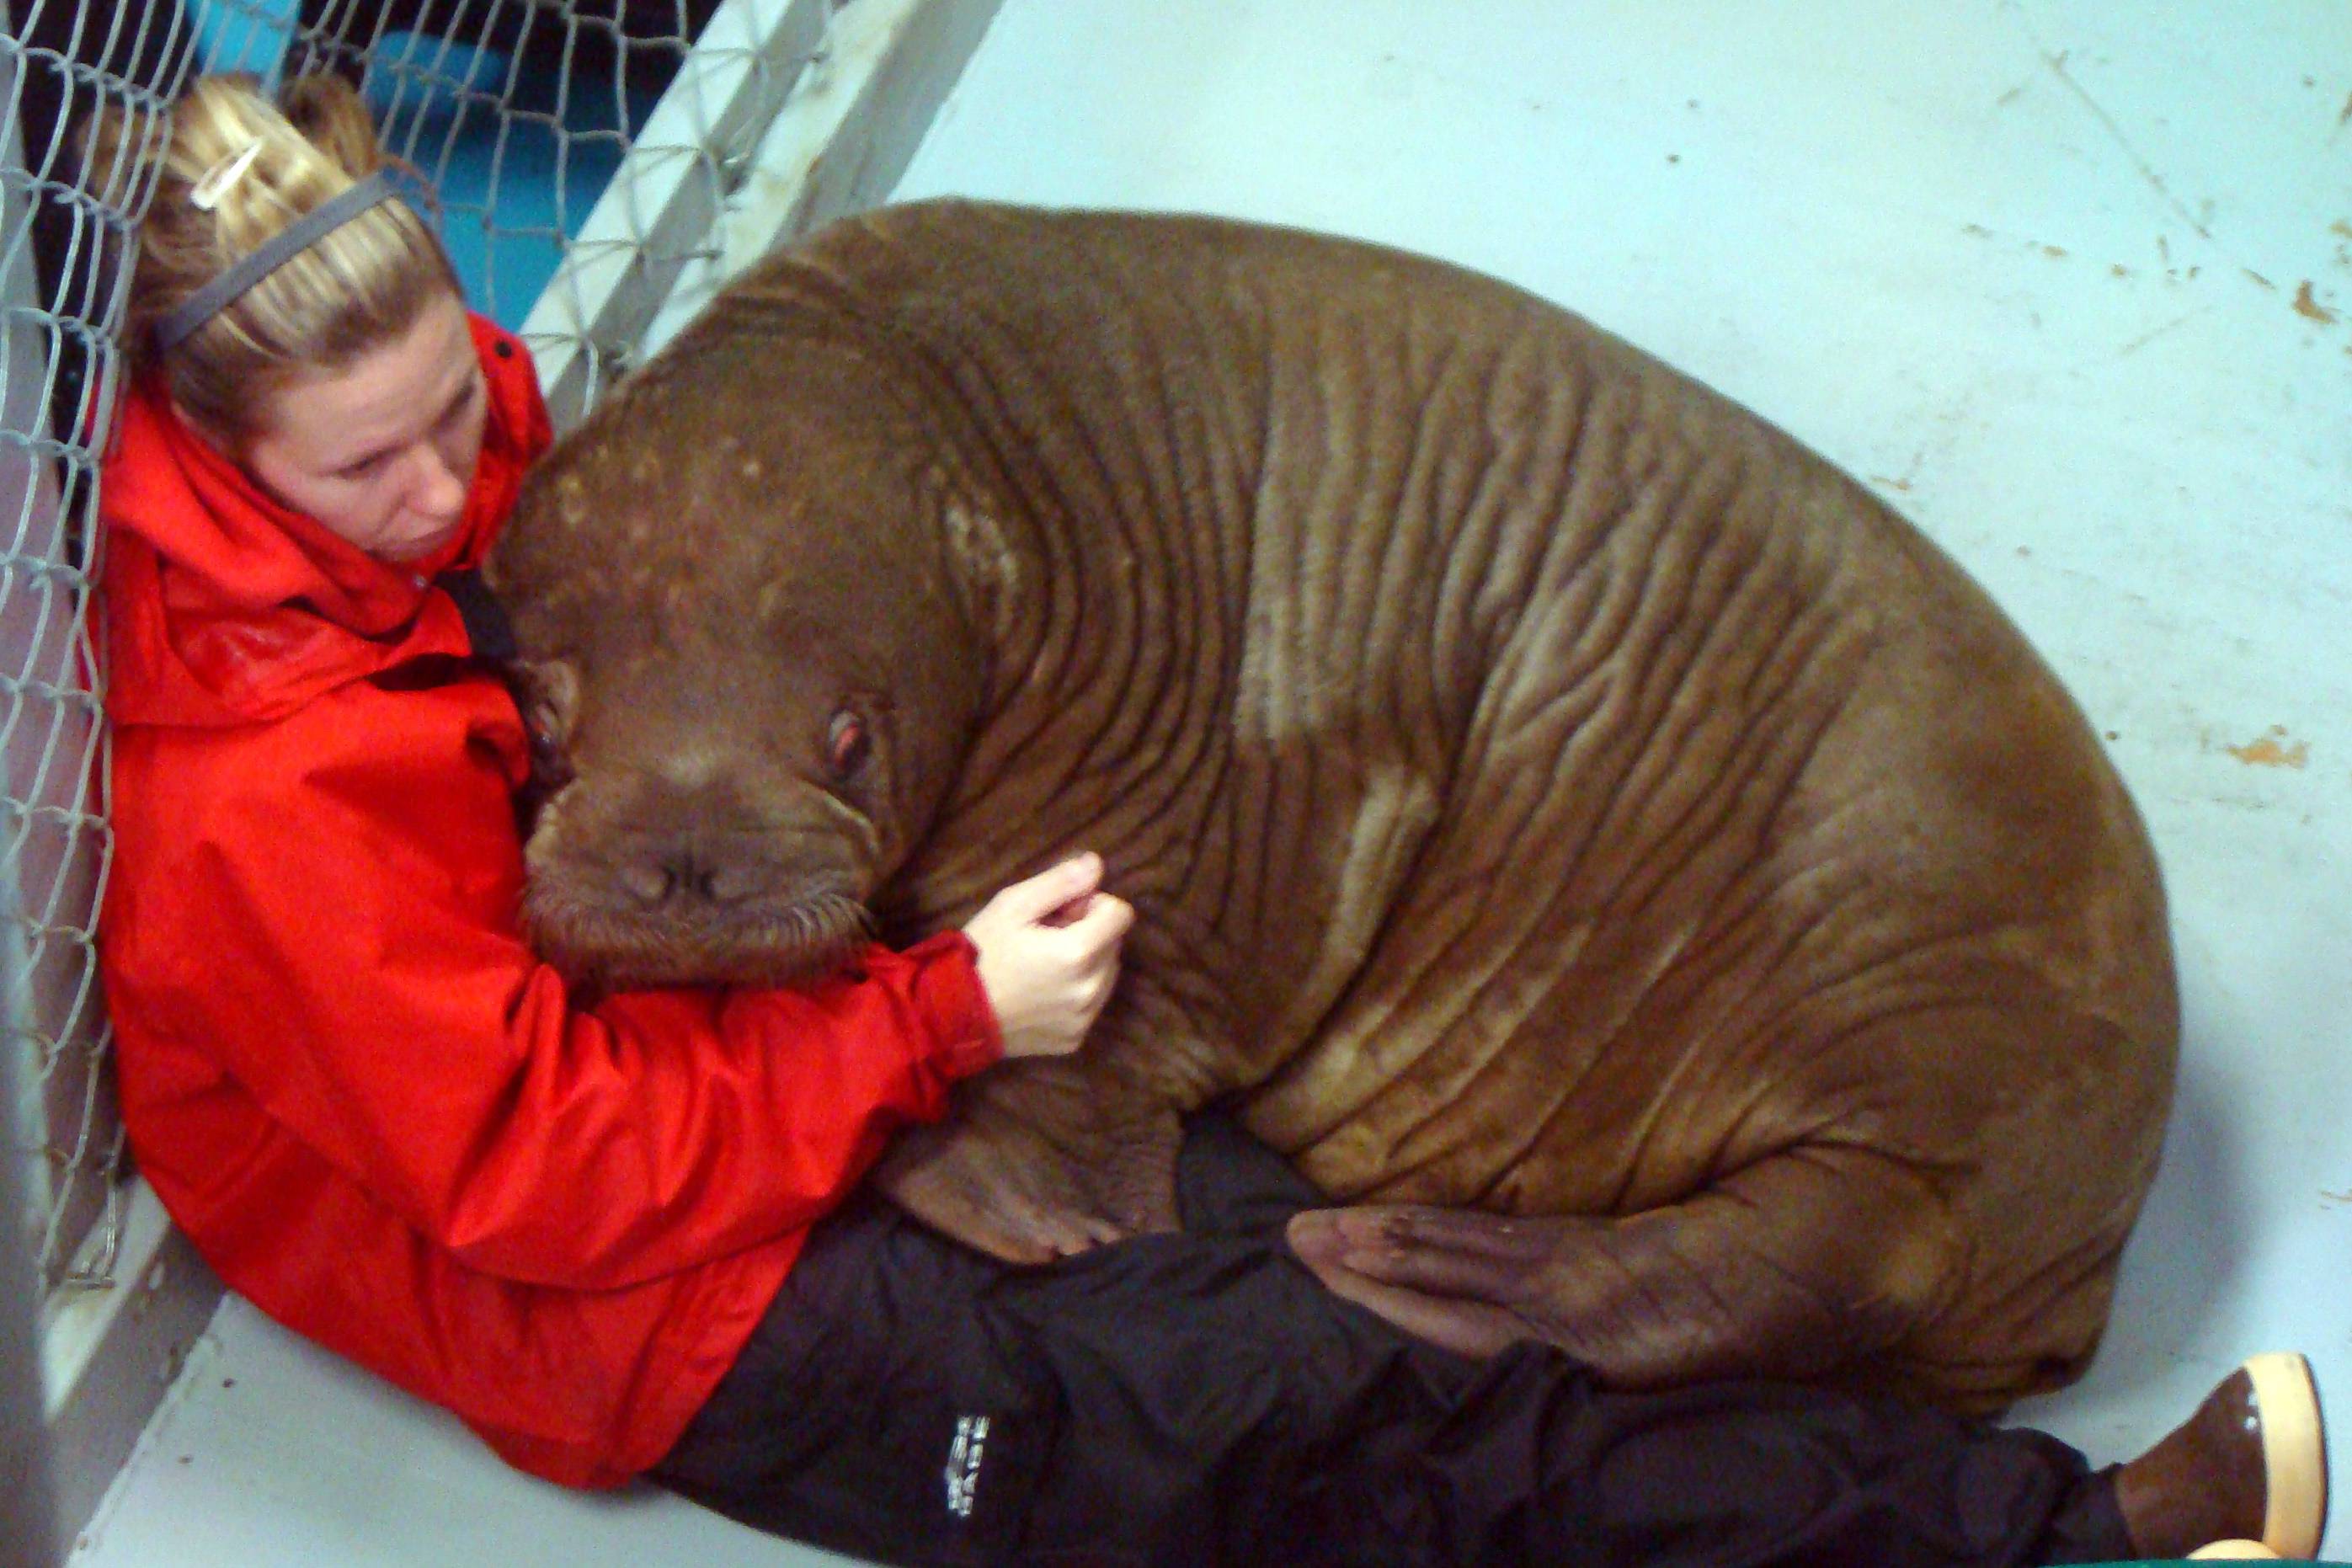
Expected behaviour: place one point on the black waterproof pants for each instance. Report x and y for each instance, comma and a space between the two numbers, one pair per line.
1201, 1399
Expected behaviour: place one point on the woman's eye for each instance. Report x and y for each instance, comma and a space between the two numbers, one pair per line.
464, 404
846, 744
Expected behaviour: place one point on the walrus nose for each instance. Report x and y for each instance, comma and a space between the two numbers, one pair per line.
683, 874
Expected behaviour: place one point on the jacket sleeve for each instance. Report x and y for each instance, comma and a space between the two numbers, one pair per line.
333, 925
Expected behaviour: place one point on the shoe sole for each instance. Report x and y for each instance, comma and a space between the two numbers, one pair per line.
2294, 1453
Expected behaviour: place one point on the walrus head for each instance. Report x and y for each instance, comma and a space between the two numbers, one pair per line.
744, 663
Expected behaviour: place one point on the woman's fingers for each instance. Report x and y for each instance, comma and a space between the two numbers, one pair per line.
1101, 926
1044, 897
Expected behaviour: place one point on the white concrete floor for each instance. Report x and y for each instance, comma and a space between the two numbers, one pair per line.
2060, 277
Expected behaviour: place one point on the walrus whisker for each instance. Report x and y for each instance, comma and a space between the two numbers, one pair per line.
798, 941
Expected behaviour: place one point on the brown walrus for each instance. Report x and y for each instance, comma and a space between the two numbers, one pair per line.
1546, 789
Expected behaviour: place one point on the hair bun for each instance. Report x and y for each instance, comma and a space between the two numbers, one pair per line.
330, 111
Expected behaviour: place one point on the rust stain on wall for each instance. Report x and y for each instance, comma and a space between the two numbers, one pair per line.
2305, 305
2274, 749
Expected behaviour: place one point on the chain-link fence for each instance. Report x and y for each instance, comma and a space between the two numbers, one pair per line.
59, 299
581, 151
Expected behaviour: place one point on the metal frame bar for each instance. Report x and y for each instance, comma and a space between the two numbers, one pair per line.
840, 143
666, 195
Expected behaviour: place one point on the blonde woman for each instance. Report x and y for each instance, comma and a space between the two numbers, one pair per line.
622, 1239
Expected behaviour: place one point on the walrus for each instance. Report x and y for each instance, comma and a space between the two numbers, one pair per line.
1551, 795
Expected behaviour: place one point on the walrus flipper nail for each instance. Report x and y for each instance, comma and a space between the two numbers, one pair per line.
1795, 1266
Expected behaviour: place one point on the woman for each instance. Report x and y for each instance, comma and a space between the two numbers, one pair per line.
594, 1231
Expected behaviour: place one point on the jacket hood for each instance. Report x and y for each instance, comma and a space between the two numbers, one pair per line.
225, 606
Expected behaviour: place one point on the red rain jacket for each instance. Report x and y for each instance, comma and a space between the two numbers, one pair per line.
373, 1110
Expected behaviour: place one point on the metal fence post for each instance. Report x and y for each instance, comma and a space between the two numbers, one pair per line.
27, 1510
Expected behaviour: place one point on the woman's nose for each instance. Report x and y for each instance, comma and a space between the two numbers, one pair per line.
438, 489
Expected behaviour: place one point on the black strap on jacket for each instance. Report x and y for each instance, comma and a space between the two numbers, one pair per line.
488, 630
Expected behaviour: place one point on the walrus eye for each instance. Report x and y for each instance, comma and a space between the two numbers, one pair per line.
846, 745
547, 693
551, 766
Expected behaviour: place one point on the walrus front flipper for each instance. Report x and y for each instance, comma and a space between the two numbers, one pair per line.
1040, 1161
1806, 1261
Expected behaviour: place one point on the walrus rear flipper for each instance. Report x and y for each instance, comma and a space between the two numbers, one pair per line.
1040, 1160
1811, 1259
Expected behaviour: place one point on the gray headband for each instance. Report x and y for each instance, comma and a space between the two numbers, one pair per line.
273, 253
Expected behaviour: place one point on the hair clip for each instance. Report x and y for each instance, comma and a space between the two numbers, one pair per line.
215, 181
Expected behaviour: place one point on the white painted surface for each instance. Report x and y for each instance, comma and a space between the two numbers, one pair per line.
273, 1454
1900, 239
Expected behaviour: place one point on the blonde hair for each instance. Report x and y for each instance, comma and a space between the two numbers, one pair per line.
359, 286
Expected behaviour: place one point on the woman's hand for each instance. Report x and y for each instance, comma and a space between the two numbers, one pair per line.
1048, 954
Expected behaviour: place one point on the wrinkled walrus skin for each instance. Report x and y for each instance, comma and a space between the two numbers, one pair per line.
1545, 788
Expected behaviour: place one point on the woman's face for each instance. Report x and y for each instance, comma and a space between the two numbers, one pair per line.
381, 451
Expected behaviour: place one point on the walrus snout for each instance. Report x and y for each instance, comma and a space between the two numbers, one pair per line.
659, 886
650, 925
684, 872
